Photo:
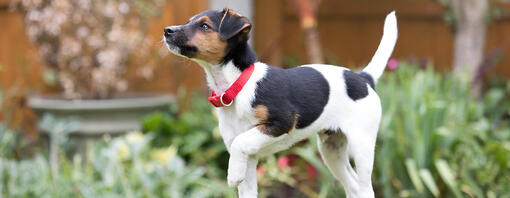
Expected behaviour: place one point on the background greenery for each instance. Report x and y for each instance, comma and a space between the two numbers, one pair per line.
434, 141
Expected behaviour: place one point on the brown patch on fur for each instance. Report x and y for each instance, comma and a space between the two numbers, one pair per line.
209, 44
204, 18
262, 114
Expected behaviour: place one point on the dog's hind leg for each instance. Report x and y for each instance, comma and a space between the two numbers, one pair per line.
333, 149
362, 148
248, 188
361, 134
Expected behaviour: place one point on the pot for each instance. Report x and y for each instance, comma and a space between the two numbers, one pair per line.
97, 117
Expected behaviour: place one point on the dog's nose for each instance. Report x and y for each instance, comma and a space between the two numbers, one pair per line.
169, 30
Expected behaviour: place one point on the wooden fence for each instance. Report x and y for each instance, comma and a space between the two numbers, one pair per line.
350, 31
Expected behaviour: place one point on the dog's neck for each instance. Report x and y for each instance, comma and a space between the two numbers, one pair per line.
221, 75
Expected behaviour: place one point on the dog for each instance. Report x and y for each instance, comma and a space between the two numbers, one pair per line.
263, 109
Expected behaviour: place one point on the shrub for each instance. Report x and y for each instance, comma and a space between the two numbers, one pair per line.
436, 140
122, 167
193, 130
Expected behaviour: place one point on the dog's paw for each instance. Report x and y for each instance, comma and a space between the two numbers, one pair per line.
234, 180
236, 170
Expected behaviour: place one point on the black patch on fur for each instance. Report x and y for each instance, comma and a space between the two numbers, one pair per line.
356, 84
230, 25
214, 15
368, 78
238, 51
300, 91
241, 54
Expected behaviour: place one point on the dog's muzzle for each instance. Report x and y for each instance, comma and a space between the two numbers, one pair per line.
172, 41
170, 31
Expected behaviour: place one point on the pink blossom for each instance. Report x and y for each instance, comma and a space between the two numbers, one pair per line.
283, 161
392, 64
261, 171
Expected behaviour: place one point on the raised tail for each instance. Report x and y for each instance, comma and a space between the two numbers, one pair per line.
376, 66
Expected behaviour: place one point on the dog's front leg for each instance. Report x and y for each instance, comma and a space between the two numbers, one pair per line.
248, 188
244, 146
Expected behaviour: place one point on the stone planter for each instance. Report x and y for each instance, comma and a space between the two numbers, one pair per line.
98, 117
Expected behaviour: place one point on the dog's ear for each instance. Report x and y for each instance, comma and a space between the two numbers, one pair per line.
233, 24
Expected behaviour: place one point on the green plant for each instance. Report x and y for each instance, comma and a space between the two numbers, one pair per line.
193, 131
122, 167
436, 140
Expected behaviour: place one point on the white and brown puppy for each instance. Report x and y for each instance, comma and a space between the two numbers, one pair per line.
277, 107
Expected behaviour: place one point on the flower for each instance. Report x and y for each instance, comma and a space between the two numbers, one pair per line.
134, 137
392, 64
283, 161
123, 151
260, 171
163, 156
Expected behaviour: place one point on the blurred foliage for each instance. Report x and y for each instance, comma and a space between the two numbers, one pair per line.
193, 130
449, 144
122, 167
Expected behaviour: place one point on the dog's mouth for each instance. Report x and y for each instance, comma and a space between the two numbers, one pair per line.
171, 47
177, 45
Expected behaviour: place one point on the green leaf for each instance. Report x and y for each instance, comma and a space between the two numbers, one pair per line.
413, 174
426, 176
447, 175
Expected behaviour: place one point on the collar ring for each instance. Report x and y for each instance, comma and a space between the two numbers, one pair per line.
221, 100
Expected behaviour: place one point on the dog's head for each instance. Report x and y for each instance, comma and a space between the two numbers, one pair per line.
208, 36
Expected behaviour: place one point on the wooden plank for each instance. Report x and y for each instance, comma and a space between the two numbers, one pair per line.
268, 30
424, 9
4, 3
498, 40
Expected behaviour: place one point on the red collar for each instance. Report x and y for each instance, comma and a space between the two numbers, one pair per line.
227, 97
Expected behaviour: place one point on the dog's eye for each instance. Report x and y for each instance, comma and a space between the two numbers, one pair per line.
204, 26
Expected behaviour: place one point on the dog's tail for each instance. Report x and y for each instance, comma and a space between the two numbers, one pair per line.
376, 66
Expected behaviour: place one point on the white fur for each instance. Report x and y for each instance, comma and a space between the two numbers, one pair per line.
376, 66
358, 121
